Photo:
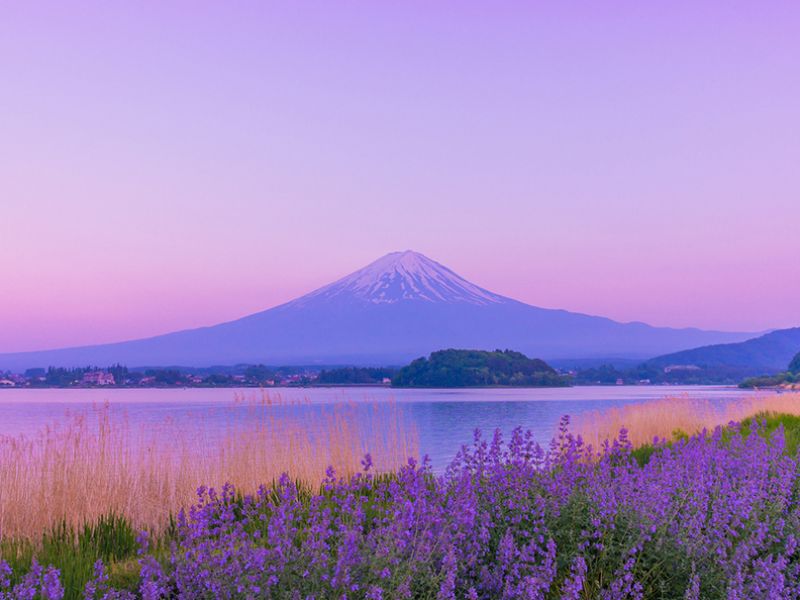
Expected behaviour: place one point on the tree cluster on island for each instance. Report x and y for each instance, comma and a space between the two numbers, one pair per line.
478, 368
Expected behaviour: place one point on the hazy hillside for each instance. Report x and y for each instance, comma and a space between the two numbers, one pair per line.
768, 353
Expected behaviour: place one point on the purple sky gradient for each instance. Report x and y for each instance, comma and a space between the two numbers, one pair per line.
165, 167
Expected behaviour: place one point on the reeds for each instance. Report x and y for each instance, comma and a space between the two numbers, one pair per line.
663, 418
96, 464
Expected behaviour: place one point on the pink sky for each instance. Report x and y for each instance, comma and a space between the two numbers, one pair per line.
165, 167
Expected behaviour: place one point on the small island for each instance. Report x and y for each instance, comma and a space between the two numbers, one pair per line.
478, 368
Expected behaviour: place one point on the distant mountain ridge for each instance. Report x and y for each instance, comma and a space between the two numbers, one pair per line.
767, 354
400, 307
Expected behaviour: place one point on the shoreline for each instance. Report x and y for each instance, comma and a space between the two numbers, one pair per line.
390, 387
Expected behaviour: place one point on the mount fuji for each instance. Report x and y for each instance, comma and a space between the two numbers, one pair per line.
397, 308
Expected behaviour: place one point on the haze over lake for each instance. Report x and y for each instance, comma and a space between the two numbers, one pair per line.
444, 418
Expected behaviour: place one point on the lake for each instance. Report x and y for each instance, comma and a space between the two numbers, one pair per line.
443, 418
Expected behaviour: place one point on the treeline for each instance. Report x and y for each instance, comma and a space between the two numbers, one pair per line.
122, 376
790, 376
62, 377
478, 368
685, 375
647, 373
657, 374
356, 375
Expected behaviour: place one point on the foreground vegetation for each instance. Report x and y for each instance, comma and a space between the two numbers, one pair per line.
645, 421
94, 465
709, 515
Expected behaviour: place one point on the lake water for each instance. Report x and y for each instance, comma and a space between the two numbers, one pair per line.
443, 419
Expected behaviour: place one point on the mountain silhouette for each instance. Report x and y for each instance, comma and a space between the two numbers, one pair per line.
402, 306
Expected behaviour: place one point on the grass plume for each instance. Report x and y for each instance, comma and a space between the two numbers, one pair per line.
665, 417
96, 463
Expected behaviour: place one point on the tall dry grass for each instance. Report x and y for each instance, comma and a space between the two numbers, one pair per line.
662, 418
97, 463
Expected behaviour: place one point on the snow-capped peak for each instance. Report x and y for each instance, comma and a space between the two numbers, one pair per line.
405, 276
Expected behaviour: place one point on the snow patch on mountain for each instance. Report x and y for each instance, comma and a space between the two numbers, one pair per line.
404, 277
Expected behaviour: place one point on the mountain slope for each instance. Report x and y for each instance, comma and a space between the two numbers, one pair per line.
399, 307
770, 353
399, 277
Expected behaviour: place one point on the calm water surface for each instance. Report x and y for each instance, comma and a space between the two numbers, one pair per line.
444, 419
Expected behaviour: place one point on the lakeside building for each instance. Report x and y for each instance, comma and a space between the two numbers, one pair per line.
98, 378
671, 368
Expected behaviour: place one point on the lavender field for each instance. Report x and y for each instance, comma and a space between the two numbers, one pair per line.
709, 515
399, 300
